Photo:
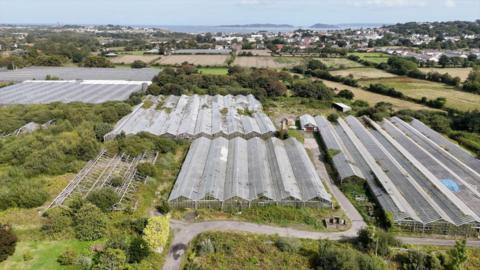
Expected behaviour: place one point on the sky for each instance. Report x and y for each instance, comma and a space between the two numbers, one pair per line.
216, 12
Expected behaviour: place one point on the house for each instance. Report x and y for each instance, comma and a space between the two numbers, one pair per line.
287, 123
341, 107
307, 123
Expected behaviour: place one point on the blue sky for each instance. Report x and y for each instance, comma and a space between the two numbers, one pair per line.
215, 12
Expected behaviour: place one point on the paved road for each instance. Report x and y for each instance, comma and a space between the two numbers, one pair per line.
185, 232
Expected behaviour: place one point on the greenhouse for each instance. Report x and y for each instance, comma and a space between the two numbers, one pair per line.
42, 92
237, 173
190, 117
410, 171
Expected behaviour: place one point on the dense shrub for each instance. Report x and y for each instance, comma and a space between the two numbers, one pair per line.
147, 169
138, 64
163, 207
347, 94
288, 244
110, 258
67, 257
334, 257
385, 90
333, 117
317, 90
97, 61
90, 223
8, 241
58, 222
137, 250
104, 198
376, 241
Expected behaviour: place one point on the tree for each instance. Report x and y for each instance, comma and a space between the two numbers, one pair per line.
157, 231
8, 241
138, 64
90, 223
97, 61
333, 117
347, 94
458, 255
104, 198
138, 250
110, 259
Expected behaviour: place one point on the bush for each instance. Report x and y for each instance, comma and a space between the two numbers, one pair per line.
288, 244
147, 169
333, 117
138, 250
101, 129
138, 64
90, 223
59, 222
110, 258
116, 181
97, 61
104, 198
347, 94
67, 257
376, 241
157, 231
8, 241
163, 207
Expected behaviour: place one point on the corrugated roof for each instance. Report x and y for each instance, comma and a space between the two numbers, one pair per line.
250, 170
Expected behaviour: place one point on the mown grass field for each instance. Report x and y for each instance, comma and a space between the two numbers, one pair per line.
363, 73
213, 71
420, 88
339, 63
376, 58
462, 73
373, 98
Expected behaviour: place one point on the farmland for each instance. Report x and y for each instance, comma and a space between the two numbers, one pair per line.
339, 63
364, 73
376, 58
130, 58
462, 73
204, 60
213, 71
419, 88
267, 61
373, 98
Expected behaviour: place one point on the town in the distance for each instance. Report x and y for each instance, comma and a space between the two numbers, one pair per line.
242, 146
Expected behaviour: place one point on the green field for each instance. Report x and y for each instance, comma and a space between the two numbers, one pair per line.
376, 58
374, 98
213, 70
43, 254
420, 88
339, 63
363, 73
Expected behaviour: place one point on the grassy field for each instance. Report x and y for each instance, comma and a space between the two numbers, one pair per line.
376, 58
130, 58
420, 88
204, 60
339, 63
364, 73
43, 254
214, 71
373, 98
462, 73
300, 218
267, 61
237, 251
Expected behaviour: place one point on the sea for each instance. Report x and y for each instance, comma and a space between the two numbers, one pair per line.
239, 29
